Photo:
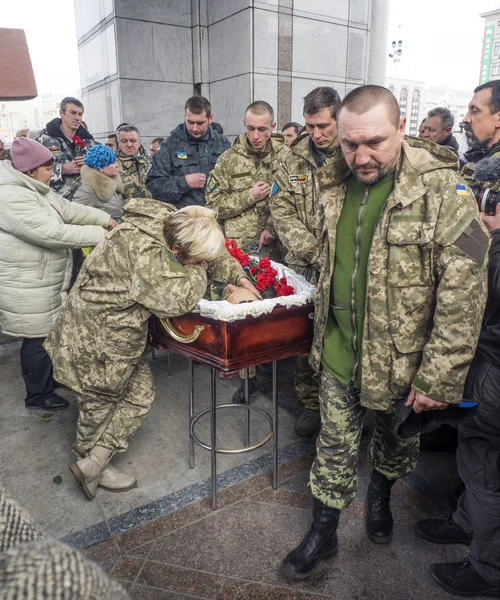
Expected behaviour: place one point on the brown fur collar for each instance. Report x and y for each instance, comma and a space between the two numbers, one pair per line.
103, 186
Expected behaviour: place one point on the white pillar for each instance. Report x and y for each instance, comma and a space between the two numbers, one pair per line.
379, 42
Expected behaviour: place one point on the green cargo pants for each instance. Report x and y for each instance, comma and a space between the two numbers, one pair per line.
334, 471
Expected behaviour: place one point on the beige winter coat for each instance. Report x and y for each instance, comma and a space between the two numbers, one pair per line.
100, 191
38, 229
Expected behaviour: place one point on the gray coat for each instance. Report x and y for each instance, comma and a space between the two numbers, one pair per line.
100, 191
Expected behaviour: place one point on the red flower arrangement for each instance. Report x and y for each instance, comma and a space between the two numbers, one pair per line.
261, 273
80, 147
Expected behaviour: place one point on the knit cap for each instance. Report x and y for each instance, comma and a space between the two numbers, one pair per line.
99, 157
27, 154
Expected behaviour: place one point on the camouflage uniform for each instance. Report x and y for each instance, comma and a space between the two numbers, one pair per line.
294, 211
133, 171
64, 150
98, 344
229, 192
426, 291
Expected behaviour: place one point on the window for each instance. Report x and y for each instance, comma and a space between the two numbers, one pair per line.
495, 69
496, 49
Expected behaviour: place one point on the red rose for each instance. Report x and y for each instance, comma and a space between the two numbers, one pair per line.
78, 141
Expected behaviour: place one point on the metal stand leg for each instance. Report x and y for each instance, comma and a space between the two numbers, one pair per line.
247, 412
191, 411
275, 426
169, 364
154, 354
213, 432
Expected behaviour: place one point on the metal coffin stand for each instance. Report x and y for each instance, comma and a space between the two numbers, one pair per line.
230, 346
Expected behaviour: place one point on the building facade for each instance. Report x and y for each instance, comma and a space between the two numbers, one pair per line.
141, 59
456, 101
490, 59
410, 95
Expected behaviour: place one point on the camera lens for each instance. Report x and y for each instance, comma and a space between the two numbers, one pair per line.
488, 201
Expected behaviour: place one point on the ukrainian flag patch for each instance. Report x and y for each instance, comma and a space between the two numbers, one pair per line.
461, 190
182, 155
275, 189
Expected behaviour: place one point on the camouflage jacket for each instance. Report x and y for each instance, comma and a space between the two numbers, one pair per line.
294, 205
64, 150
426, 284
229, 187
133, 171
101, 333
488, 167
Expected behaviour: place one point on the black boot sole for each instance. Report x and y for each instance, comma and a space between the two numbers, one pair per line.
292, 575
377, 539
46, 408
492, 594
428, 538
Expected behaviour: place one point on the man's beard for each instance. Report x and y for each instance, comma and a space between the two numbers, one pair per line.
474, 144
372, 178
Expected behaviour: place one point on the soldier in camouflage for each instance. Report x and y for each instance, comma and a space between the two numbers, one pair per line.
99, 343
60, 136
238, 190
400, 299
303, 173
133, 163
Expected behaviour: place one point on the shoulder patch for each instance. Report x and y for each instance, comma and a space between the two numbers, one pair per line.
182, 155
55, 148
212, 183
474, 242
275, 189
461, 190
298, 178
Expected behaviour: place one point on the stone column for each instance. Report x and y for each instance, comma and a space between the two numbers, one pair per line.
379, 39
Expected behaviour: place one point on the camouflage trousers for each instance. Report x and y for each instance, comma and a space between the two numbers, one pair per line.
334, 474
272, 251
306, 382
112, 421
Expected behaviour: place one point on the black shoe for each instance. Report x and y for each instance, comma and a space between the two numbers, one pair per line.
320, 543
239, 394
265, 370
442, 531
307, 423
379, 523
462, 579
51, 402
443, 439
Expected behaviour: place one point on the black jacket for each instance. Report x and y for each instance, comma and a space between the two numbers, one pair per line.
180, 155
489, 339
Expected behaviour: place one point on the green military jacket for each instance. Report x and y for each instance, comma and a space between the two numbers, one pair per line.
468, 171
229, 188
101, 333
426, 283
133, 171
294, 206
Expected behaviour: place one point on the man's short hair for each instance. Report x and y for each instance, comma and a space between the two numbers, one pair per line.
70, 100
198, 105
445, 116
260, 108
321, 98
362, 99
494, 86
127, 129
296, 126
157, 140
112, 135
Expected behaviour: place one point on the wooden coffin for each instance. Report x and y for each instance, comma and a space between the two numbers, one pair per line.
228, 346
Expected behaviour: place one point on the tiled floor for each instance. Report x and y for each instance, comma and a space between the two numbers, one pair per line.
234, 553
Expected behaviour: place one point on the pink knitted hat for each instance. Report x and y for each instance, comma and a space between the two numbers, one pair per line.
27, 154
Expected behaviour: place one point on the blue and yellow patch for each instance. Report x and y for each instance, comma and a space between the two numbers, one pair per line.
182, 155
461, 190
212, 183
275, 189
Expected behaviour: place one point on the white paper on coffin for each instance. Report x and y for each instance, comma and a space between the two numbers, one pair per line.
225, 311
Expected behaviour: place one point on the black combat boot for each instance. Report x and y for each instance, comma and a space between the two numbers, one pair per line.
442, 531
461, 579
379, 521
320, 543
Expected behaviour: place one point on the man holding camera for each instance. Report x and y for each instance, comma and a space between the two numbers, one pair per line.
476, 520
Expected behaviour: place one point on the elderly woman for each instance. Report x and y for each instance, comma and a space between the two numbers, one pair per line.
153, 263
101, 185
38, 229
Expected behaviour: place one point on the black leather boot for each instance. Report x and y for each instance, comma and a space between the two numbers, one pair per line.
320, 543
379, 521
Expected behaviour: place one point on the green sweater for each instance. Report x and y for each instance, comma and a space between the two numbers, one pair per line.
362, 206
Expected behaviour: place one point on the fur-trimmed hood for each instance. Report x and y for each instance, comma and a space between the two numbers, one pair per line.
103, 186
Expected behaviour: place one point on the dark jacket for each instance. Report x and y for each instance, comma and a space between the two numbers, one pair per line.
489, 338
180, 155
64, 150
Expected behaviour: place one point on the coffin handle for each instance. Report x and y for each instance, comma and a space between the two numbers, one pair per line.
180, 337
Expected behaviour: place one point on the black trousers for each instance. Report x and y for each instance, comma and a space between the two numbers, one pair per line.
478, 461
36, 368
